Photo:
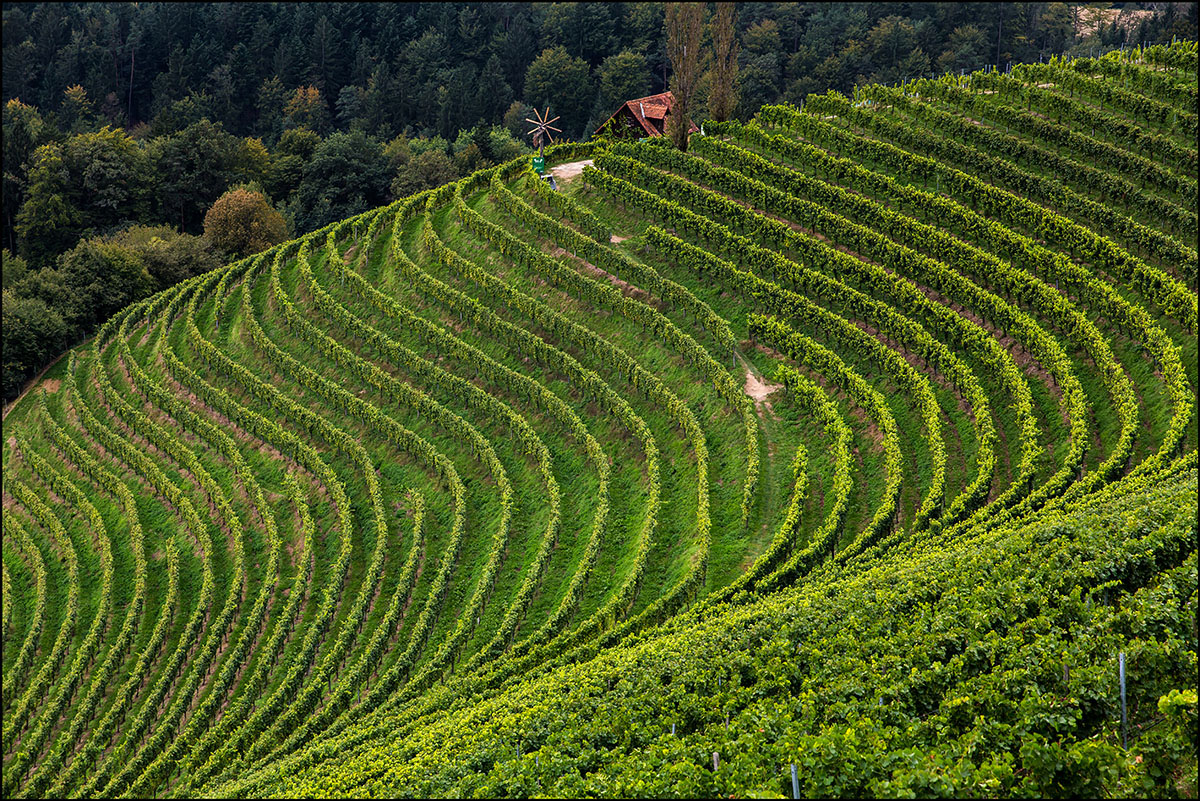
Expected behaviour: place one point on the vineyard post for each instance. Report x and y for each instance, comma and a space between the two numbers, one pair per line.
795, 782
716, 761
1124, 717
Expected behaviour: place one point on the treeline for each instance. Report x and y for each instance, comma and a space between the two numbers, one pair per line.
103, 219
124, 123
436, 68
427, 72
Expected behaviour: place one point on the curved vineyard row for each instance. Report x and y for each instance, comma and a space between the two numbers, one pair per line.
858, 439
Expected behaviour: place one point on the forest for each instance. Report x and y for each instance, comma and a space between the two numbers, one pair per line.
146, 142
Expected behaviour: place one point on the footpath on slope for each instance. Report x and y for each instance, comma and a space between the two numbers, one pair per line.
569, 171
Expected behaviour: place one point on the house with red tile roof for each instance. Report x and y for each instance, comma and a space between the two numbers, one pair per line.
645, 116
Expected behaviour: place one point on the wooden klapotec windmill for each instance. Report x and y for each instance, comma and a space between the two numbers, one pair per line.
540, 133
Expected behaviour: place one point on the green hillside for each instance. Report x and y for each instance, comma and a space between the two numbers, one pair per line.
860, 438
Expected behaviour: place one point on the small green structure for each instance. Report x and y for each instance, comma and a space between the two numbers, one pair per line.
541, 132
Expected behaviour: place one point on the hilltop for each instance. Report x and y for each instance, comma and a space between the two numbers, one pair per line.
859, 438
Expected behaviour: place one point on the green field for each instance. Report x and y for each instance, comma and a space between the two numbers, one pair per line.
859, 439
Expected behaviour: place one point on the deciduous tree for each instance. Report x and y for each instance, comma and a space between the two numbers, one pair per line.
169, 256
241, 223
33, 334
425, 171
891, 41
966, 50
557, 80
24, 132
78, 112
103, 278
194, 167
622, 77
92, 181
306, 109
348, 174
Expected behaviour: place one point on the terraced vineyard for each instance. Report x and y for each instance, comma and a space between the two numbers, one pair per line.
860, 438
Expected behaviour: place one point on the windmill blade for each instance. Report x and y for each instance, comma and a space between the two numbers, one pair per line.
550, 121
552, 128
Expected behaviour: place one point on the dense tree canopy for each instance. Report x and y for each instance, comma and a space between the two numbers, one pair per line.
168, 255
623, 76
347, 175
194, 167
429, 169
102, 278
561, 82
251, 66
34, 333
120, 115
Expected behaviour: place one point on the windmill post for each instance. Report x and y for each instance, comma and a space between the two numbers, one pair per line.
540, 133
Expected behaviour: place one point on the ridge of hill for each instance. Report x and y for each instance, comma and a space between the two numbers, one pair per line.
859, 439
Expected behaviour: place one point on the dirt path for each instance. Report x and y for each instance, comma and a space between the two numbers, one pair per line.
572, 169
758, 389
628, 289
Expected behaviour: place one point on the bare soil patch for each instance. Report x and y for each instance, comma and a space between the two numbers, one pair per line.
759, 390
570, 170
626, 288
33, 382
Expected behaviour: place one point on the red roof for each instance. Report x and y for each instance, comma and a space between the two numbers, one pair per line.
649, 112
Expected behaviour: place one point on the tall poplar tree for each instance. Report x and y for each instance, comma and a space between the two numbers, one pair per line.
723, 98
685, 26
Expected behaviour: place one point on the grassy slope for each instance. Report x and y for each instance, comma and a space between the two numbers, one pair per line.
940, 649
